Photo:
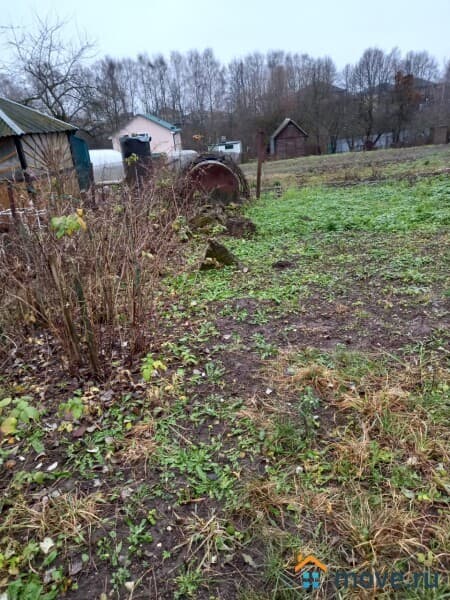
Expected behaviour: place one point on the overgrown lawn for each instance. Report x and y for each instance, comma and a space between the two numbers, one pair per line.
300, 405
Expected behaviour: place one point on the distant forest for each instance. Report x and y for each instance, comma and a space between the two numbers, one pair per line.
382, 93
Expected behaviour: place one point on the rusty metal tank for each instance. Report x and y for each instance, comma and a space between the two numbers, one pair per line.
214, 177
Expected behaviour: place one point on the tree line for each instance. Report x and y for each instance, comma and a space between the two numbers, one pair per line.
381, 93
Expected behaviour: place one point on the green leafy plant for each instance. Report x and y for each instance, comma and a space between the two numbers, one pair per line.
74, 407
68, 225
182, 352
264, 348
138, 536
30, 589
214, 371
151, 367
21, 414
188, 584
119, 577
132, 159
12, 557
22, 478
109, 549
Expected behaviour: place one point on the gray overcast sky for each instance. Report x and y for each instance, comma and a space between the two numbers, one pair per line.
341, 29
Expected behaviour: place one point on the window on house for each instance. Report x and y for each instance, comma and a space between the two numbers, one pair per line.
229, 146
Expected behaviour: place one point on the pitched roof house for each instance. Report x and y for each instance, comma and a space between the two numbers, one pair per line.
288, 140
32, 145
31, 140
166, 137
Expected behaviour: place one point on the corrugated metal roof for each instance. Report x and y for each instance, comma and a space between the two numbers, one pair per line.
161, 122
16, 119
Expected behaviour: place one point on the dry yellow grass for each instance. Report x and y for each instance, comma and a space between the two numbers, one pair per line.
68, 514
373, 481
139, 445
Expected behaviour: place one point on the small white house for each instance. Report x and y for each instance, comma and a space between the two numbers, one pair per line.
165, 136
230, 147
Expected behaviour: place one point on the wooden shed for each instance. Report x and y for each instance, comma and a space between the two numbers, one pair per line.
32, 145
288, 140
439, 134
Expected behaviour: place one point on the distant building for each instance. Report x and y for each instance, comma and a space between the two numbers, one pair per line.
440, 134
288, 140
32, 146
407, 137
166, 137
32, 142
231, 147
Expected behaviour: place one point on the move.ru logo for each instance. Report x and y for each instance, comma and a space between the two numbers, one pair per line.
312, 569
310, 578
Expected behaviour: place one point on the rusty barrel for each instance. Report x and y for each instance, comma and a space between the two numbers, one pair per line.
215, 177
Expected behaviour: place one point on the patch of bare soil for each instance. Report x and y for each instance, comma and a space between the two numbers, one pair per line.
360, 321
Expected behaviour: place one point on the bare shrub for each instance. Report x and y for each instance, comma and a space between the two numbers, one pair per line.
91, 276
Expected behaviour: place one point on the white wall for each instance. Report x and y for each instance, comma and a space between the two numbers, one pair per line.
162, 140
235, 152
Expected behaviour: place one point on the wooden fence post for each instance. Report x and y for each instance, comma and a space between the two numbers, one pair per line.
260, 150
12, 202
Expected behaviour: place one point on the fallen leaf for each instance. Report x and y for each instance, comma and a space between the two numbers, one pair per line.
53, 466
126, 493
46, 545
107, 396
79, 431
227, 559
249, 560
408, 493
48, 576
75, 566
9, 426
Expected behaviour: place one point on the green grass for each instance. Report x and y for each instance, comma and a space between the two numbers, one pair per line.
233, 445
327, 231
351, 167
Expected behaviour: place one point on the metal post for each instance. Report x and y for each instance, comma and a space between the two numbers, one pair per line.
260, 150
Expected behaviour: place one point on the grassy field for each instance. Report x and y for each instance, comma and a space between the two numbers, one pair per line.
298, 405
349, 167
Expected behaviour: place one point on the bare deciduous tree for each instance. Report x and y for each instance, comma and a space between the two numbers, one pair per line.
382, 93
49, 67
371, 79
421, 65
109, 99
